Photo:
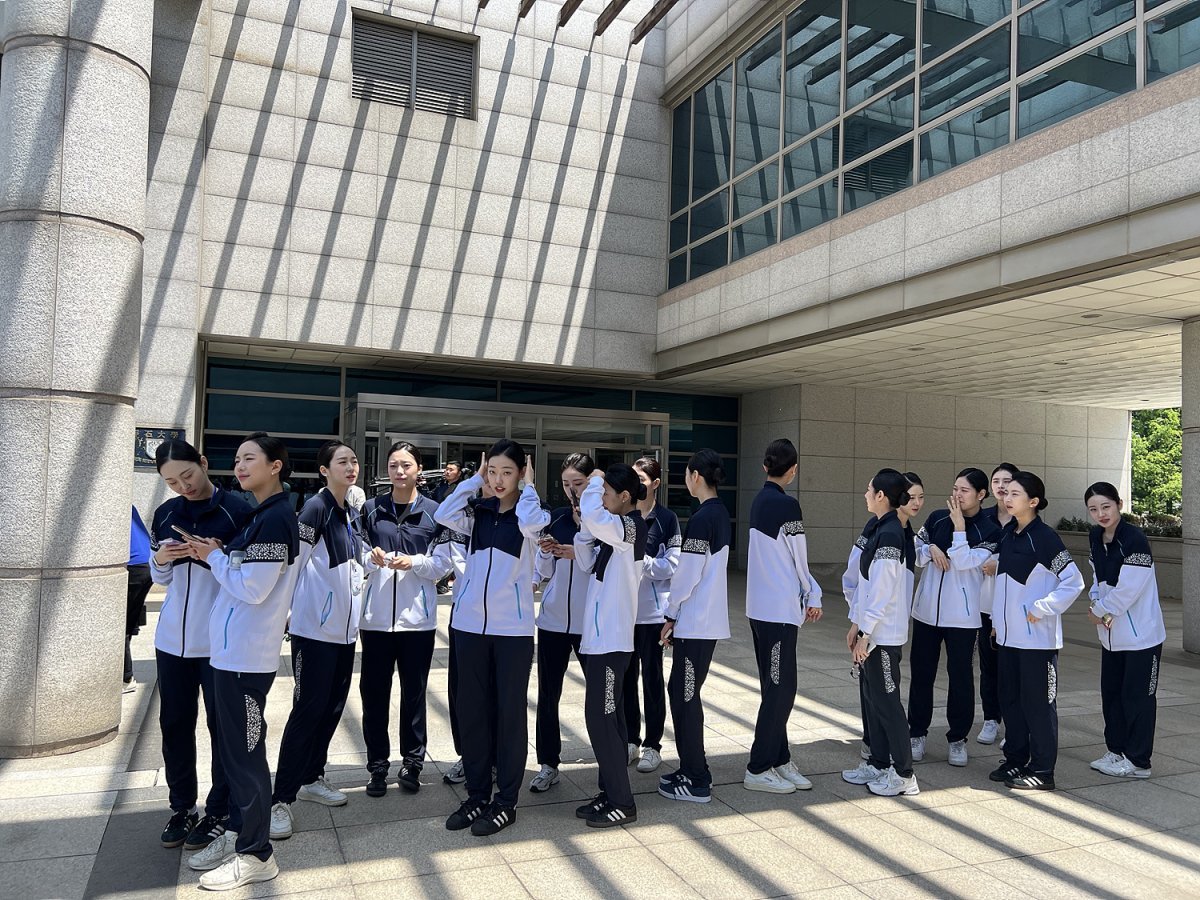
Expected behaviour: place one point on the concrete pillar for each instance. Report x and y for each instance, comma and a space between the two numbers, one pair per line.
74, 113
1190, 419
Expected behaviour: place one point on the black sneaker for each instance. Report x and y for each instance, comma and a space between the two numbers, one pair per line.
206, 831
409, 777
592, 805
1005, 771
377, 786
179, 828
495, 819
610, 814
466, 813
1031, 781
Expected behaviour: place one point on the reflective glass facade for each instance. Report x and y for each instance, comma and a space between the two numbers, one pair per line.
839, 103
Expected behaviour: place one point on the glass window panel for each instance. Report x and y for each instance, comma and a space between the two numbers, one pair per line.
755, 234
549, 395
1150, 4
756, 190
873, 180
714, 408
710, 215
811, 161
1058, 25
881, 46
812, 80
679, 232
710, 256
880, 123
274, 378
810, 209
366, 381
965, 137
681, 134
1079, 84
756, 133
1173, 41
964, 76
676, 270
723, 439
227, 412
710, 148
947, 23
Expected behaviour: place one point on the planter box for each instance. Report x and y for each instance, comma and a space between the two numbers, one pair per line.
1168, 561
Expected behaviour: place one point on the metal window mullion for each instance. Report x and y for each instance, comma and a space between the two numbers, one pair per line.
918, 54
782, 114
843, 97
1013, 95
412, 91
1139, 51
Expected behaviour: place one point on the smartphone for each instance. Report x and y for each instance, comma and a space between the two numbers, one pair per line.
186, 536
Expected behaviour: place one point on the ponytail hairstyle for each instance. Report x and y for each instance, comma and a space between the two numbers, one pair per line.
1102, 489
651, 466
621, 477
274, 449
325, 454
512, 450
975, 478
780, 457
413, 452
894, 486
707, 464
913, 479
1034, 488
176, 450
581, 463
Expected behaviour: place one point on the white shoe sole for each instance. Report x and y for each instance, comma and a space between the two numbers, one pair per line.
250, 878
208, 867
807, 786
958, 763
321, 801
646, 770
909, 793
769, 788
856, 780
673, 796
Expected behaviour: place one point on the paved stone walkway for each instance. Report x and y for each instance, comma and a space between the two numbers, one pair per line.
87, 824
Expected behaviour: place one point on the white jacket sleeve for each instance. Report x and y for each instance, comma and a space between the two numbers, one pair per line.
1130, 586
543, 564
1059, 600
531, 518
161, 574
663, 566
435, 564
687, 578
922, 547
884, 583
1094, 590
585, 551
963, 556
599, 522
250, 582
850, 576
798, 546
454, 512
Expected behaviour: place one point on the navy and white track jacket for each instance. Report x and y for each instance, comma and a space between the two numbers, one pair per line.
1035, 575
396, 600
779, 587
257, 572
700, 591
191, 589
614, 559
953, 599
497, 592
850, 578
663, 541
1125, 587
566, 589
884, 592
328, 601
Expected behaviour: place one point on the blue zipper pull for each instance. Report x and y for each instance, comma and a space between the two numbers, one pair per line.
328, 608
596, 618
518, 587
966, 602
424, 606
1129, 616
657, 605
227, 618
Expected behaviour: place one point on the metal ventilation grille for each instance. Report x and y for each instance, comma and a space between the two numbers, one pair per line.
381, 59
444, 75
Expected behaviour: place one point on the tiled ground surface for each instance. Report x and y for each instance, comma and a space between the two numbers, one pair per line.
87, 824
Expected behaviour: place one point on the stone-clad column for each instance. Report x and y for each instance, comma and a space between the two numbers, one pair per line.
1190, 420
74, 114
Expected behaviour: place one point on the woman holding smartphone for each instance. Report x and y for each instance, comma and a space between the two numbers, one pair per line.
181, 640
1128, 618
560, 621
493, 630
257, 574
326, 609
399, 619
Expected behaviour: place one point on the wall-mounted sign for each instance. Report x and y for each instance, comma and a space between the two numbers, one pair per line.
147, 440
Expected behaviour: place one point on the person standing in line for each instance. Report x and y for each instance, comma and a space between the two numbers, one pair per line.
781, 595
611, 544
138, 570
696, 618
399, 622
453, 544
326, 610
663, 541
181, 639
1036, 582
451, 476
257, 573
952, 546
560, 620
493, 629
850, 585
989, 692
877, 635
1128, 617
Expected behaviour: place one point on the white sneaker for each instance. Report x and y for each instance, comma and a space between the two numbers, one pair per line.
989, 732
457, 774
892, 785
651, 760
1107, 762
634, 751
218, 851
865, 750
320, 791
243, 869
864, 774
281, 822
958, 753
918, 748
544, 780
769, 782
789, 771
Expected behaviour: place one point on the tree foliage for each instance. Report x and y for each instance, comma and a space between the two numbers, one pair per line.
1157, 474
